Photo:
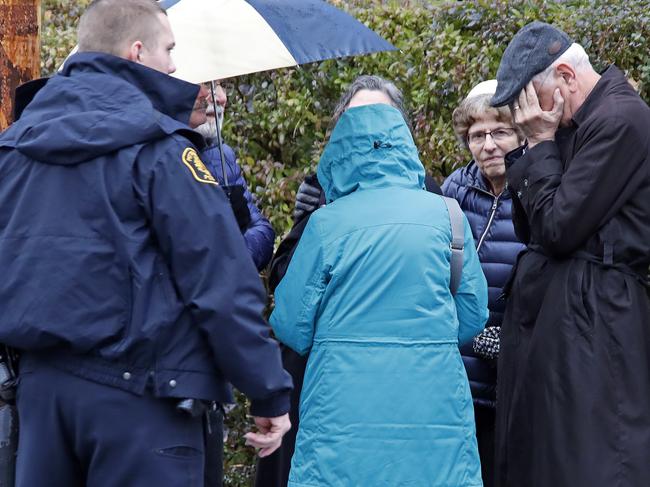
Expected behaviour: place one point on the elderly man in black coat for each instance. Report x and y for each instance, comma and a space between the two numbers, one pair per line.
574, 371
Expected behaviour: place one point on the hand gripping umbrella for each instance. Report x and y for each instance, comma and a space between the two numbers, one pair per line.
217, 39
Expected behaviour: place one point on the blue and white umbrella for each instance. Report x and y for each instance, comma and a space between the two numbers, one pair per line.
217, 39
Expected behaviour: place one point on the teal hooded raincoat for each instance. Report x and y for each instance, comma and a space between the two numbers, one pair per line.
386, 400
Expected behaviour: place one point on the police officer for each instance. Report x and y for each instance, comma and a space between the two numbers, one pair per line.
126, 282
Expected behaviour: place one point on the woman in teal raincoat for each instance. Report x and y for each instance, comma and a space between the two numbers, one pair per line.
385, 400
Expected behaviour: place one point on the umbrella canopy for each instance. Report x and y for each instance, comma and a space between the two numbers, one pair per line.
218, 39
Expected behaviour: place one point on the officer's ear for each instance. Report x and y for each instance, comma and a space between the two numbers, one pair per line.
134, 52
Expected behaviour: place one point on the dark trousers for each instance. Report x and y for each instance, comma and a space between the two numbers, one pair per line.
214, 448
273, 471
485, 418
78, 433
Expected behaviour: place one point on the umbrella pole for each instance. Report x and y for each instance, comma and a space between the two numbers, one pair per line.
219, 141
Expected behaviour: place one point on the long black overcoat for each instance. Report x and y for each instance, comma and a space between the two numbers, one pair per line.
573, 400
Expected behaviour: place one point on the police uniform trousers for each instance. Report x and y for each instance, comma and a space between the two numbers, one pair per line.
78, 433
214, 448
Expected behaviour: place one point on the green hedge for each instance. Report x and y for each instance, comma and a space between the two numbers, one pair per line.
59, 31
278, 120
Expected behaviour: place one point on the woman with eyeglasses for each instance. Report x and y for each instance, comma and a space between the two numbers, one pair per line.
480, 189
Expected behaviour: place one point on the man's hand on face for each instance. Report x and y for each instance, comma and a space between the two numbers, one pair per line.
269, 435
536, 124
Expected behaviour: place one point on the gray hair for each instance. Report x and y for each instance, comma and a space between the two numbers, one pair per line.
372, 83
477, 108
111, 25
574, 56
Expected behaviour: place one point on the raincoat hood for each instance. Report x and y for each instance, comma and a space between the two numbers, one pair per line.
370, 147
96, 105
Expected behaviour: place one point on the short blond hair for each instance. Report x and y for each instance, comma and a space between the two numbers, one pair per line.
112, 25
478, 108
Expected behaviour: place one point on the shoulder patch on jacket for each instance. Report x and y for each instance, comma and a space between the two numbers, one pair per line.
194, 163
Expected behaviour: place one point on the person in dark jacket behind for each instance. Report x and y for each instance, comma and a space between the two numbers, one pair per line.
258, 232
273, 471
481, 191
258, 235
110, 289
574, 366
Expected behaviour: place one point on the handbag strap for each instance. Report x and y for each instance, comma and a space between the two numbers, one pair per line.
457, 244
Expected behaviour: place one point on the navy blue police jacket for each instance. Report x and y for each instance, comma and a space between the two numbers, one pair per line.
490, 218
120, 257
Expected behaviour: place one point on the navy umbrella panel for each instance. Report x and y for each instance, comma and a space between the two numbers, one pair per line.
218, 39
323, 32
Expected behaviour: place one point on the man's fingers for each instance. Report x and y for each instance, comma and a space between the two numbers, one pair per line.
531, 95
263, 440
521, 102
558, 104
264, 429
519, 106
256, 440
270, 436
265, 452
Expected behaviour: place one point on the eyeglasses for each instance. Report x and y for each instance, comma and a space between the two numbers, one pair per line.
498, 135
227, 86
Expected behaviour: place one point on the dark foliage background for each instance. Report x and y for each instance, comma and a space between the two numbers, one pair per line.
278, 120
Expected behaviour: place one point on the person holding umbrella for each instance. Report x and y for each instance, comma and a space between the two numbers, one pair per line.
258, 232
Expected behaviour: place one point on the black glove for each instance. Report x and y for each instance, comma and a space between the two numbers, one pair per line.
307, 200
235, 194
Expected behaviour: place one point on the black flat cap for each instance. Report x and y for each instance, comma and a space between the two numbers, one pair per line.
531, 51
